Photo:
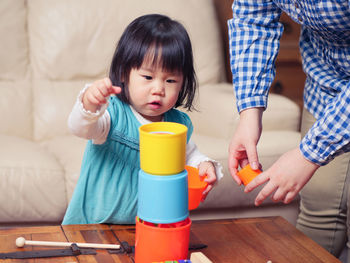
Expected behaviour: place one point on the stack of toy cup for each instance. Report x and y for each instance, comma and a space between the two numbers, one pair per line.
162, 223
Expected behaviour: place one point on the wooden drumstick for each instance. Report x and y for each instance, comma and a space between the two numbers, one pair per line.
21, 242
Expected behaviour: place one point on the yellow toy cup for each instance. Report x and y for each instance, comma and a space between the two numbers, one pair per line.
163, 148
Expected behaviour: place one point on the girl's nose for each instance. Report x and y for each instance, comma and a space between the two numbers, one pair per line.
158, 88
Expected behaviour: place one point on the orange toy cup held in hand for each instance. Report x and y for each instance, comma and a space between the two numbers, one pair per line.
247, 174
196, 186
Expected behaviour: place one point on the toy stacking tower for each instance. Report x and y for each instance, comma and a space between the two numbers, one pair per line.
162, 223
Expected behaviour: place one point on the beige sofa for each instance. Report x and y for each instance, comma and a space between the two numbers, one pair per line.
50, 49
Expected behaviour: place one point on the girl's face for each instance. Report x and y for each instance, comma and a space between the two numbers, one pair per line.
152, 91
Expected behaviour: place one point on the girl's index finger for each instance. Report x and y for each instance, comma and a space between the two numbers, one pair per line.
115, 90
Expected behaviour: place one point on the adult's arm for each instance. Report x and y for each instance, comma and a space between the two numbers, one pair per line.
254, 34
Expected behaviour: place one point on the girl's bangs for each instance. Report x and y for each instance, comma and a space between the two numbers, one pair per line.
167, 55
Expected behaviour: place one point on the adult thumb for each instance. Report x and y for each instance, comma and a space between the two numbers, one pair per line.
252, 155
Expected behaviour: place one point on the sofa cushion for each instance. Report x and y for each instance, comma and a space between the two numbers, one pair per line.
32, 183
76, 40
53, 103
281, 114
14, 40
69, 151
16, 108
217, 114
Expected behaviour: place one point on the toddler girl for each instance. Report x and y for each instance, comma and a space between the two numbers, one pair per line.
151, 74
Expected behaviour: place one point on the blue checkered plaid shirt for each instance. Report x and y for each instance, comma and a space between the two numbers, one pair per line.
254, 34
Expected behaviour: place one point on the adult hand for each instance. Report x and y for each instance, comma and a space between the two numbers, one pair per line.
242, 149
285, 178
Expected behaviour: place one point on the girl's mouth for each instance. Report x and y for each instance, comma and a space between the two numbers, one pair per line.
155, 105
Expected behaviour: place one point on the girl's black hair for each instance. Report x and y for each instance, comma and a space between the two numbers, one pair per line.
169, 42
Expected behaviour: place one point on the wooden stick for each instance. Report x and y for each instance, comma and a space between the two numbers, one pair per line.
21, 242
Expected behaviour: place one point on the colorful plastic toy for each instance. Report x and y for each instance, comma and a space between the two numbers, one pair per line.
175, 261
163, 148
247, 174
163, 199
162, 222
196, 186
154, 244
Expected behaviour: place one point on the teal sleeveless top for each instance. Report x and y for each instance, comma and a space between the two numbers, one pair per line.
106, 191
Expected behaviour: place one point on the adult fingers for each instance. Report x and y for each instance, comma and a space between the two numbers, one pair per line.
233, 168
252, 156
243, 162
260, 179
268, 189
289, 197
279, 195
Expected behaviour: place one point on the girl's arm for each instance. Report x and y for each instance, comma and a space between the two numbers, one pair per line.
89, 125
89, 118
206, 166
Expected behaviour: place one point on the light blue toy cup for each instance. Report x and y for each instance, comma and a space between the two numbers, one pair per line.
163, 199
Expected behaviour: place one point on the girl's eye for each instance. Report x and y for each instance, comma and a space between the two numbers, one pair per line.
147, 77
171, 80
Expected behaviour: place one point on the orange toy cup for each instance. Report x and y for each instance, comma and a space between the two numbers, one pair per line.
156, 244
247, 174
196, 186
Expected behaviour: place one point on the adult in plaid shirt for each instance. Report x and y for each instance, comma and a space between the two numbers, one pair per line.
254, 34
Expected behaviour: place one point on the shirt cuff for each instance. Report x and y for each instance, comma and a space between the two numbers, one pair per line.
315, 152
252, 102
